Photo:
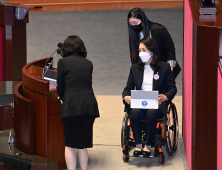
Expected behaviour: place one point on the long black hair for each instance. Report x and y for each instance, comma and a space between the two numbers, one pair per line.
152, 46
73, 44
134, 37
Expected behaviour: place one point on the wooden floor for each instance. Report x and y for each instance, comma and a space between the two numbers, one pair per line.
69, 5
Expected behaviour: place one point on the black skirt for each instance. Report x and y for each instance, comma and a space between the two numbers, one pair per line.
78, 131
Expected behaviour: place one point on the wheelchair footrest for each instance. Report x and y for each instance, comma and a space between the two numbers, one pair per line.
141, 156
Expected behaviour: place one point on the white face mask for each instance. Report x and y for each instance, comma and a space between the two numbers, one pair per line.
144, 56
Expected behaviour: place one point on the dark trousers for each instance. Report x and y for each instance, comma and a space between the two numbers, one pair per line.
151, 116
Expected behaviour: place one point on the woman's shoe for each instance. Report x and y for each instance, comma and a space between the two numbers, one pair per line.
137, 153
146, 153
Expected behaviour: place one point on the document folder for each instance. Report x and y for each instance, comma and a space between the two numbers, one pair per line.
144, 99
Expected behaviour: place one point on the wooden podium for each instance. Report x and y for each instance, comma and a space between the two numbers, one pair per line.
37, 125
12, 43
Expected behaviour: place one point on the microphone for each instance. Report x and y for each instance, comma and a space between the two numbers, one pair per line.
59, 49
59, 45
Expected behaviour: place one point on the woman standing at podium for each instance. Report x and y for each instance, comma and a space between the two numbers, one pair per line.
79, 108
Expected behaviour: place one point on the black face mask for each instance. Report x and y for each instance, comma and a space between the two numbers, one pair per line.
137, 28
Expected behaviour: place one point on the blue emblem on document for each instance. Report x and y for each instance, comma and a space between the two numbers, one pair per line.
144, 103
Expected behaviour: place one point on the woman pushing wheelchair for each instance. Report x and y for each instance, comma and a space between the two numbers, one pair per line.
148, 75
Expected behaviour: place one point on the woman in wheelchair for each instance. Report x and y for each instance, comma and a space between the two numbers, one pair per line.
149, 74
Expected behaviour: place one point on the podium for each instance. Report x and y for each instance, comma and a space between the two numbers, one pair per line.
37, 125
12, 42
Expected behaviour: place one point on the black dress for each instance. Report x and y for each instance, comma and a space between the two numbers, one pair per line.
78, 131
80, 107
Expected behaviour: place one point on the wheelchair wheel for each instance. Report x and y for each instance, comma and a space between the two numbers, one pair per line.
171, 130
122, 131
125, 134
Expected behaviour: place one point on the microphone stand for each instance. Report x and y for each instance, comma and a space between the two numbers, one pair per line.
47, 67
59, 45
50, 57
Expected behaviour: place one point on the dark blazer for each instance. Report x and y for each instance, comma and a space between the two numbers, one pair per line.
74, 87
165, 84
164, 41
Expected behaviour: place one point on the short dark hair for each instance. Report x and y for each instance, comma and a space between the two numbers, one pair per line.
151, 45
134, 37
73, 44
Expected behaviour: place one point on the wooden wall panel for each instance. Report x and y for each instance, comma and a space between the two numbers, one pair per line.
7, 15
19, 48
8, 40
205, 83
112, 5
206, 34
8, 53
14, 43
2, 52
76, 1
66, 5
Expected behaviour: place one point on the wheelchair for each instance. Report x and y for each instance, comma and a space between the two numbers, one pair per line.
167, 133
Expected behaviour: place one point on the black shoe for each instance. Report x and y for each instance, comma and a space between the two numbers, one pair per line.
146, 153
137, 153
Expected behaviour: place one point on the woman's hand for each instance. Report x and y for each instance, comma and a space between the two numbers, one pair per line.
162, 98
127, 99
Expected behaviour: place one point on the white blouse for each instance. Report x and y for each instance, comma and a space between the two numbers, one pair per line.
147, 84
142, 36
